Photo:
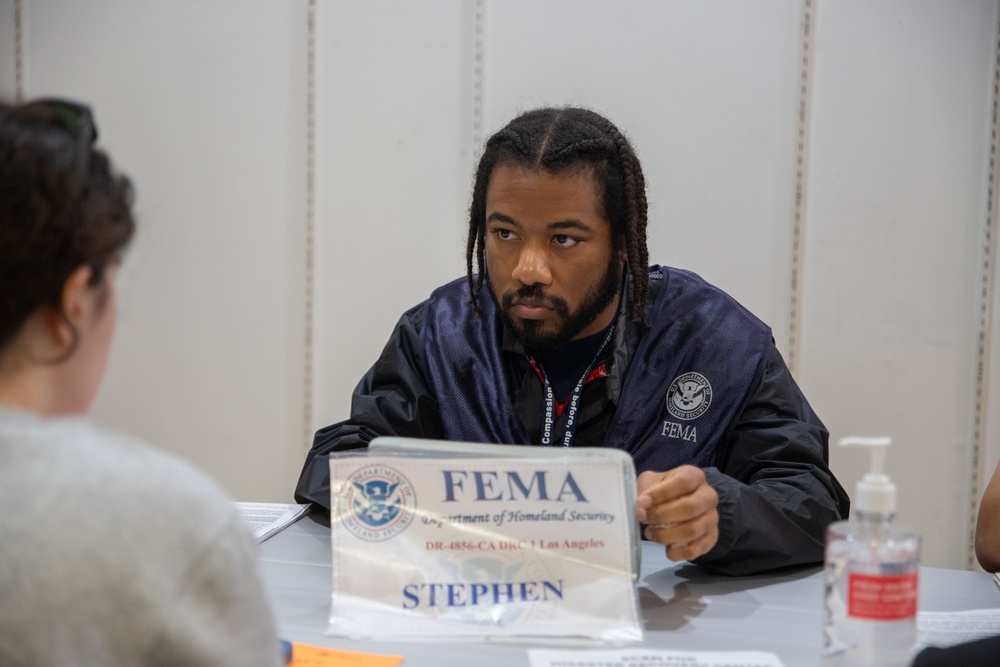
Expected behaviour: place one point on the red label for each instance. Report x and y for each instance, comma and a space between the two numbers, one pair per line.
882, 597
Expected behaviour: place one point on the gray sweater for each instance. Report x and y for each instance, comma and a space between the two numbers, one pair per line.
113, 553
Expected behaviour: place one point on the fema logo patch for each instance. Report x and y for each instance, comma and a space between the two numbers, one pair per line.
689, 396
377, 503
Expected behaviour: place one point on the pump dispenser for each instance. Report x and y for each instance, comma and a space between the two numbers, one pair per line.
871, 575
875, 493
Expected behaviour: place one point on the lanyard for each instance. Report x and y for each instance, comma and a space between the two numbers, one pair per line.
549, 401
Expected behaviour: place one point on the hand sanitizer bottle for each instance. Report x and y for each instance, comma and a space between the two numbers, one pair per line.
871, 576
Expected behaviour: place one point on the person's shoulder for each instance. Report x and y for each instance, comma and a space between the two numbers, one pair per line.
415, 314
112, 494
459, 287
674, 284
668, 283
139, 473
687, 278
453, 300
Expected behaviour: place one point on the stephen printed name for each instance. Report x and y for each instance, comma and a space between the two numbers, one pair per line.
471, 595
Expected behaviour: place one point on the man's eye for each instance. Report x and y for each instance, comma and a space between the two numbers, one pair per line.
565, 241
504, 234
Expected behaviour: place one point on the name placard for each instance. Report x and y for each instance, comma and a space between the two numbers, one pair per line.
483, 547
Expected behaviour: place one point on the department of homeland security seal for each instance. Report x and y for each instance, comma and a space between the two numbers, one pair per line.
377, 503
689, 396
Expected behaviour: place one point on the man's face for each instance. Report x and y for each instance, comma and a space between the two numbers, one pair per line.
549, 254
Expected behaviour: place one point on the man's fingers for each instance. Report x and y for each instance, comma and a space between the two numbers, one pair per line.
688, 539
660, 487
685, 531
647, 480
700, 501
680, 508
692, 550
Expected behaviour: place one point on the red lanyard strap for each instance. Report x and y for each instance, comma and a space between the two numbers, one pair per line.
552, 409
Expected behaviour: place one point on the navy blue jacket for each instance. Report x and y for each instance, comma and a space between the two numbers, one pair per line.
762, 447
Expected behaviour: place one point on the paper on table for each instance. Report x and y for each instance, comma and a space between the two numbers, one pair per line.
266, 519
945, 628
306, 655
640, 657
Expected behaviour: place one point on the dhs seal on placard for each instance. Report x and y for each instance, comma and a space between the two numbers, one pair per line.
377, 503
689, 396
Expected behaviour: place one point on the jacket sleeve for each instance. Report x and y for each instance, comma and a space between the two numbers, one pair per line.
982, 652
391, 399
776, 491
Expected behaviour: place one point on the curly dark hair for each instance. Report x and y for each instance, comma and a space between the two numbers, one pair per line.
61, 207
558, 140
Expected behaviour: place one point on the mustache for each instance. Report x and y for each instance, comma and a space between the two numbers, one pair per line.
534, 292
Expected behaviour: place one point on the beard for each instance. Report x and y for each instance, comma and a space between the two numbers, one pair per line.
530, 333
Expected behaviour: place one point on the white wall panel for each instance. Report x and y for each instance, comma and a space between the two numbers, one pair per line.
8, 52
394, 91
897, 196
708, 94
202, 104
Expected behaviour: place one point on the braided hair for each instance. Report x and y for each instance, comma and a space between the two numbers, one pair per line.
559, 140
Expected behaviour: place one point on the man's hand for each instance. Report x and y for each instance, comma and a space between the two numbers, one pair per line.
679, 508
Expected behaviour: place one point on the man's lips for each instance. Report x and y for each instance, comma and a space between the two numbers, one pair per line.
530, 309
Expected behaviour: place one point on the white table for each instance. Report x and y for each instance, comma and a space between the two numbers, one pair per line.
683, 607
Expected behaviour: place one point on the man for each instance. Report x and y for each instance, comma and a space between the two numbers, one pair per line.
564, 337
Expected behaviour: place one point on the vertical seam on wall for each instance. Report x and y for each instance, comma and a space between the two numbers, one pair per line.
18, 52
477, 84
985, 311
798, 225
310, 246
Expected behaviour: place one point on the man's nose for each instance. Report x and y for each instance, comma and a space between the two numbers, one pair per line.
532, 267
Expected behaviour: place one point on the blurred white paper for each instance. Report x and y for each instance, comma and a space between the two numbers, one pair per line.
640, 657
266, 519
945, 628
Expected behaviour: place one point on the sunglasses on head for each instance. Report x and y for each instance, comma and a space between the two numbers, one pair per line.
76, 119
